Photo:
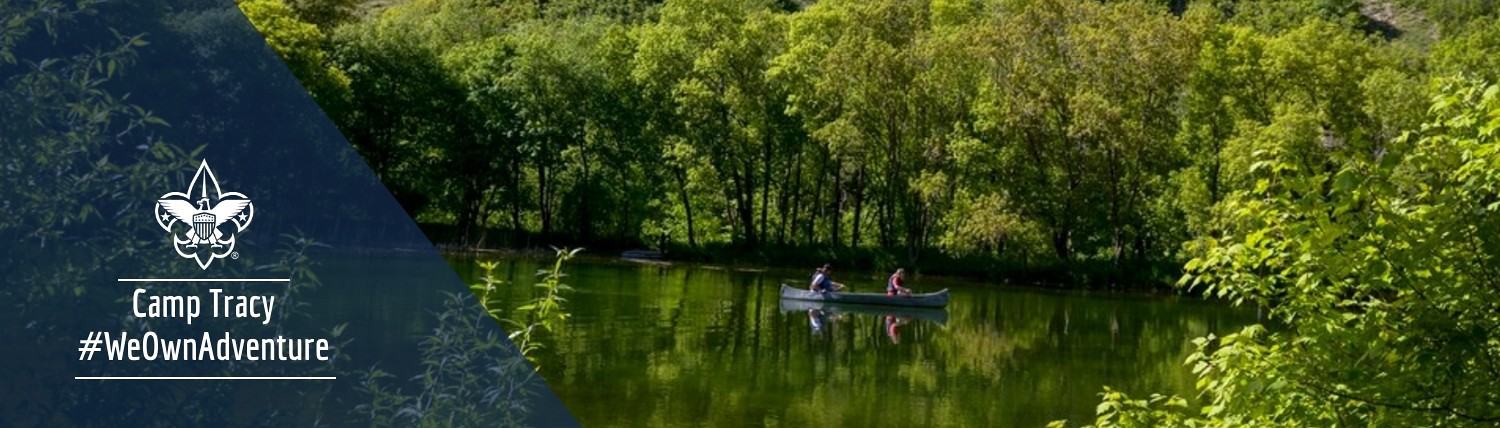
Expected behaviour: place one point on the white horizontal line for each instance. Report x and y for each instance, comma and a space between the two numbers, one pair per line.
204, 280
205, 377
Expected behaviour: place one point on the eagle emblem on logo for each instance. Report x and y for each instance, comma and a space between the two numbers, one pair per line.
204, 221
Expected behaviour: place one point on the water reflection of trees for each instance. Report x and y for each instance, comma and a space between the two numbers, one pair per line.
667, 348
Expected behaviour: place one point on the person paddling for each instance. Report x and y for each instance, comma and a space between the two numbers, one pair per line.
893, 285
822, 281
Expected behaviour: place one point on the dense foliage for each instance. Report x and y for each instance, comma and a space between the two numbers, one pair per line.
1381, 270
1283, 140
1033, 132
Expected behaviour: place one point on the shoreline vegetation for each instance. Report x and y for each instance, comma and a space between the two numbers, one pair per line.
1331, 162
1154, 277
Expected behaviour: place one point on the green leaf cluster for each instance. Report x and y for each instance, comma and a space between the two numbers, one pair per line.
1379, 275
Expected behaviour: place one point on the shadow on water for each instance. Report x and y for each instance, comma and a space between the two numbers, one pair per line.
680, 346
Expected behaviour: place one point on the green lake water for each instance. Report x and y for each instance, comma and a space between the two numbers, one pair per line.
693, 346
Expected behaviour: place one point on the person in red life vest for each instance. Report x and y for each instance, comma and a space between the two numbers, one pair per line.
893, 285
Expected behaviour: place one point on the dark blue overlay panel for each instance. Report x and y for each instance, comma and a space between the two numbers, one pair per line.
191, 153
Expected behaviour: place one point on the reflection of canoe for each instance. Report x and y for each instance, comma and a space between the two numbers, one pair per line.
928, 300
643, 255
650, 257
936, 315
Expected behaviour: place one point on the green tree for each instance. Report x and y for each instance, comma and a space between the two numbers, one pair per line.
997, 130
326, 14
300, 45
1473, 50
1381, 276
708, 59
1077, 106
417, 115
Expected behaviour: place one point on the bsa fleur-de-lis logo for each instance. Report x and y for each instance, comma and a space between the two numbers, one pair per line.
197, 220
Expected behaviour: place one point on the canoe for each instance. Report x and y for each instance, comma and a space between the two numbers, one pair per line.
928, 300
936, 315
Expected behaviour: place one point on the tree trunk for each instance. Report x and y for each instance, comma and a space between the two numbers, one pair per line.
810, 228
859, 204
687, 204
1117, 232
786, 203
765, 186
515, 197
1060, 243
585, 210
541, 197
838, 200
469, 209
746, 204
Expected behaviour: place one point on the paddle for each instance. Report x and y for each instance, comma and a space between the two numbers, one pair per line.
796, 283
836, 286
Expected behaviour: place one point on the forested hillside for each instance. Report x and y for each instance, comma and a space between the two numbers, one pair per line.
1007, 133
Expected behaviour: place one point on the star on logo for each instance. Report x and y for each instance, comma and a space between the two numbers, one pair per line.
194, 224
